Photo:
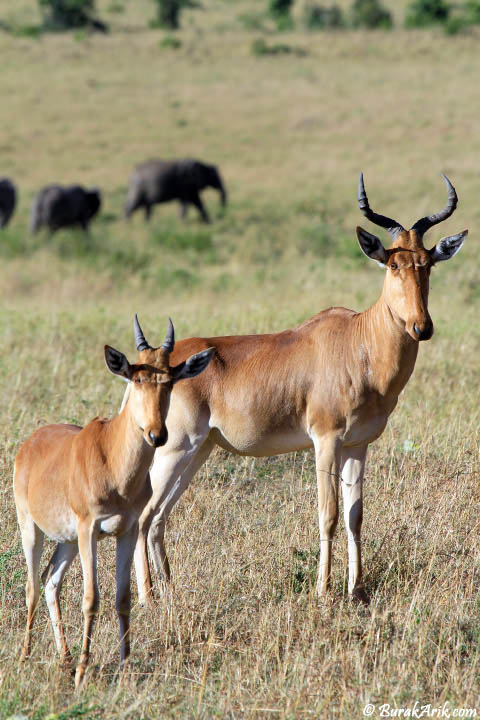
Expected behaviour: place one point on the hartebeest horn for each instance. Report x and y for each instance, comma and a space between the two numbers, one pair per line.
169, 337
140, 341
392, 226
424, 224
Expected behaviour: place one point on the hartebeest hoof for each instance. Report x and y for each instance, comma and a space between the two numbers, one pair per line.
149, 602
80, 676
325, 596
66, 661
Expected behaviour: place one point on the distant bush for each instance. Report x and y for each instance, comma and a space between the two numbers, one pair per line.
251, 21
279, 10
260, 47
370, 14
454, 25
471, 12
171, 42
168, 12
280, 7
116, 7
422, 13
320, 17
66, 14
31, 31
462, 16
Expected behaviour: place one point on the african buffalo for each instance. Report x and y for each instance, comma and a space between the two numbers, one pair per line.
159, 181
58, 207
8, 198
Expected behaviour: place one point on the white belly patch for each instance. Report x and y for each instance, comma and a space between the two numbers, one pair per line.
117, 524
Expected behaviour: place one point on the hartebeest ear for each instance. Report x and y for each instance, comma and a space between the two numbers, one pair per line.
117, 363
371, 246
193, 366
448, 247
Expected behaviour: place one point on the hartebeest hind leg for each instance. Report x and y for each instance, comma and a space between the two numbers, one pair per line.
32, 541
61, 560
87, 544
327, 460
353, 466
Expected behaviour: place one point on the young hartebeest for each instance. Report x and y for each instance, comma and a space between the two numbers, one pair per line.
76, 485
330, 383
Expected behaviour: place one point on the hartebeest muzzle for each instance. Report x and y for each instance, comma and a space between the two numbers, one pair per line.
157, 440
424, 333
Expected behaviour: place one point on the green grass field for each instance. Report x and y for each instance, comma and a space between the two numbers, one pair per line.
241, 634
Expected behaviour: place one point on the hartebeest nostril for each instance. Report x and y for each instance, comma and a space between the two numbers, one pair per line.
163, 438
158, 440
426, 333
153, 438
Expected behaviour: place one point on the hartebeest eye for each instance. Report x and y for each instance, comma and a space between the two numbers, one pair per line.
393, 266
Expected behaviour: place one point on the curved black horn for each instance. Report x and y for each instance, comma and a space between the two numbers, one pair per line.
169, 337
421, 226
391, 225
140, 341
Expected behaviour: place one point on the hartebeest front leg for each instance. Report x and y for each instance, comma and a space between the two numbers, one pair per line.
142, 570
87, 544
327, 460
125, 549
142, 565
32, 541
353, 466
171, 495
170, 475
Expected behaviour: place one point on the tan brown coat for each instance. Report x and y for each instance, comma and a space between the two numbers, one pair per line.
77, 485
330, 383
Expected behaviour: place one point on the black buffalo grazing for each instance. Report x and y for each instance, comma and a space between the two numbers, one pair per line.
8, 199
159, 181
58, 207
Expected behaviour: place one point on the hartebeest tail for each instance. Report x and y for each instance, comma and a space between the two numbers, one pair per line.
330, 383
76, 485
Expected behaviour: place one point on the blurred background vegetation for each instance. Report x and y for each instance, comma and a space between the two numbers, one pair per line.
452, 15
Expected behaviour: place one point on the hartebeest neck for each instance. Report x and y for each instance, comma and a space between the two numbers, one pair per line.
391, 350
127, 454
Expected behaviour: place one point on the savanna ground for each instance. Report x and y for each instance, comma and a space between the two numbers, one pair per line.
241, 633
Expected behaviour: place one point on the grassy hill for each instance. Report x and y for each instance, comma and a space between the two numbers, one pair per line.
241, 634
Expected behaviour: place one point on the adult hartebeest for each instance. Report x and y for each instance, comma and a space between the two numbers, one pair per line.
330, 383
76, 485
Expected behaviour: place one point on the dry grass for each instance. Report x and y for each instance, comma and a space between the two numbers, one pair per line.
241, 633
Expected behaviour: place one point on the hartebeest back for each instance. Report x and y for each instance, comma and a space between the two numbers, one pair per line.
330, 383
76, 485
